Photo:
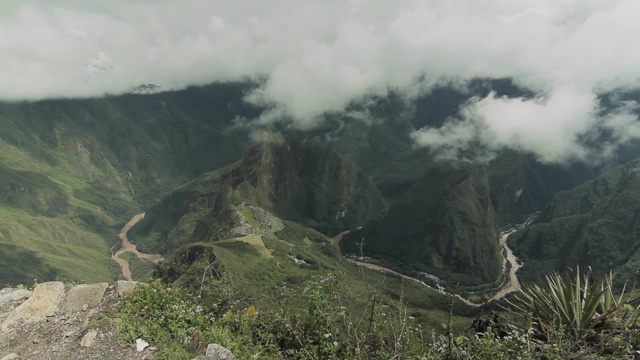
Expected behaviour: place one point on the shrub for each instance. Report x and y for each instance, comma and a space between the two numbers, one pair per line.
573, 305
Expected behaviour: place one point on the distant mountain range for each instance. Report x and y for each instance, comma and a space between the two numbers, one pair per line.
72, 172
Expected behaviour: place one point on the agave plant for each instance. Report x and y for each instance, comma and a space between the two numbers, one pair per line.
574, 304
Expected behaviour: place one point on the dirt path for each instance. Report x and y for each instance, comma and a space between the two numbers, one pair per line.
510, 285
128, 246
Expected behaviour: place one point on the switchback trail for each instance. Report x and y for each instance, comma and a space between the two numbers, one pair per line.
128, 246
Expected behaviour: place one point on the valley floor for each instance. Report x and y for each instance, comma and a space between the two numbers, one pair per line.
510, 284
127, 246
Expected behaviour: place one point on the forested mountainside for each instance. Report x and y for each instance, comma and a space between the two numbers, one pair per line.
594, 224
296, 181
445, 226
74, 171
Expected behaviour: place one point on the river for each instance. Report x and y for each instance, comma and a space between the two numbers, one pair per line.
510, 285
128, 246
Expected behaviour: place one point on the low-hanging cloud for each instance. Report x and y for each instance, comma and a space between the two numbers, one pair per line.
314, 57
566, 125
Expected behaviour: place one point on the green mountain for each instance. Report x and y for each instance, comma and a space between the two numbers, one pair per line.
445, 227
264, 221
72, 172
296, 181
595, 224
520, 185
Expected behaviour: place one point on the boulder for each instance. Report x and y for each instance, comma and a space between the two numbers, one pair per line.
12, 356
124, 287
81, 295
8, 295
217, 352
45, 298
88, 339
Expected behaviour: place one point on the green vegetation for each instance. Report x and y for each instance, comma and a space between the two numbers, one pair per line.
596, 223
574, 304
314, 320
73, 171
444, 227
328, 319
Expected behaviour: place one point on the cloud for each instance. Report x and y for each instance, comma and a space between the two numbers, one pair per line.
314, 57
565, 125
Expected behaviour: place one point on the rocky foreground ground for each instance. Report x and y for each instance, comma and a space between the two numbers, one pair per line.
58, 321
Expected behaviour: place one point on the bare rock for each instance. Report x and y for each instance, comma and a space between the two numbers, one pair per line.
217, 352
88, 339
13, 294
125, 287
84, 295
45, 297
10, 298
12, 356
141, 345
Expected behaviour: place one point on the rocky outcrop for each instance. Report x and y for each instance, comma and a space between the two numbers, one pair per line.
45, 299
58, 321
124, 287
82, 297
216, 352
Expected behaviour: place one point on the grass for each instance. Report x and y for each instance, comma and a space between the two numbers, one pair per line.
73, 171
70, 250
256, 241
254, 273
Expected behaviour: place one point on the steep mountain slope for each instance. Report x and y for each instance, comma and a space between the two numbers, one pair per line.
257, 221
595, 224
520, 185
376, 135
295, 181
445, 227
73, 171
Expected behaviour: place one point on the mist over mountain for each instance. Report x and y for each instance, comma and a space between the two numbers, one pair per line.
304, 69
389, 146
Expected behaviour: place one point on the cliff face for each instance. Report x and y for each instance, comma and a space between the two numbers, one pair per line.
595, 224
295, 181
305, 183
445, 226
520, 185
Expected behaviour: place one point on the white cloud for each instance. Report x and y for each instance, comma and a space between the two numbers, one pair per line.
556, 128
318, 56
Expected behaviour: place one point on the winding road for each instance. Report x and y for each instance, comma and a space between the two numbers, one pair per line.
510, 285
128, 246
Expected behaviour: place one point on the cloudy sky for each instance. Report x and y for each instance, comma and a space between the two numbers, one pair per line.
317, 56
